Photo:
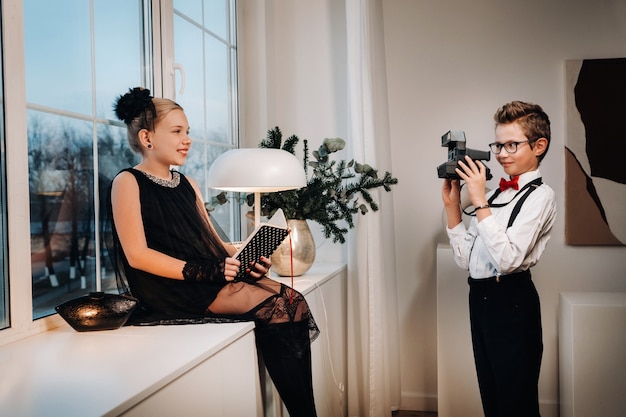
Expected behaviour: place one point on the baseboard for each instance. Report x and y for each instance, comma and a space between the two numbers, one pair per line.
418, 401
428, 402
549, 408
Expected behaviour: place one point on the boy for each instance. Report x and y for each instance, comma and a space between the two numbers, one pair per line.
503, 241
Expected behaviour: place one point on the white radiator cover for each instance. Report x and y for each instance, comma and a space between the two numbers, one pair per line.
592, 354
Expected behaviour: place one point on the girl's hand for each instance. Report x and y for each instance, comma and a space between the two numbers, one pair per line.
231, 268
258, 270
474, 173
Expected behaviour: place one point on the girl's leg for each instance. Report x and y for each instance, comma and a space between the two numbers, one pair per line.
286, 351
284, 331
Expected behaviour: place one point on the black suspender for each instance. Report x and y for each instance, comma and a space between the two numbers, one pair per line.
530, 187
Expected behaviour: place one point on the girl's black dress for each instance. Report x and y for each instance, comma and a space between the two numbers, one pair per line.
173, 225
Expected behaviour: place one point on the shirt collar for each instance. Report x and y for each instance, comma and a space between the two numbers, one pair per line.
527, 177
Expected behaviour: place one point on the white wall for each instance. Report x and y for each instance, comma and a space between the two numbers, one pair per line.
450, 64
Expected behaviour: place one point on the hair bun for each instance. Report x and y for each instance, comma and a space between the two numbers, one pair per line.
132, 104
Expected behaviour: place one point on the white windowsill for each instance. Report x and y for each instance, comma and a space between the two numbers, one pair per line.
64, 372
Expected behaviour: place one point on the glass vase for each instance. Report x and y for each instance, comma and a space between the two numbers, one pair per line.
302, 246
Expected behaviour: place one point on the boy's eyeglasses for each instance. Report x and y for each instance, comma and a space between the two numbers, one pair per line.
510, 147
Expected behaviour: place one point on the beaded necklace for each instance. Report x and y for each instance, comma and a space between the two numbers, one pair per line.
172, 183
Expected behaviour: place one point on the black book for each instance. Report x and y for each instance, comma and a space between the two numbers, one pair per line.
262, 242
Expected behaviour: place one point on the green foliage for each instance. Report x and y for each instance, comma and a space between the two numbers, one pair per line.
335, 190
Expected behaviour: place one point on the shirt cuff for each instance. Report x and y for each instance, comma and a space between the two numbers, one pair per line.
456, 231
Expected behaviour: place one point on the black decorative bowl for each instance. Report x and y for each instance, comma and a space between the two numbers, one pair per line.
97, 311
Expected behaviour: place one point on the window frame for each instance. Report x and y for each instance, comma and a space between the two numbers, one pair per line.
21, 323
94, 122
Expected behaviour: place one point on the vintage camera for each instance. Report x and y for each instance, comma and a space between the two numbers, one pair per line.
454, 140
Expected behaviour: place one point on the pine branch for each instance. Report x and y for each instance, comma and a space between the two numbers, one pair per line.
290, 144
273, 139
333, 192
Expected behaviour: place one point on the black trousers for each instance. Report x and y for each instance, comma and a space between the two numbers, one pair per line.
505, 319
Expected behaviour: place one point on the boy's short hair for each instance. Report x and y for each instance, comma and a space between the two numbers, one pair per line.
531, 118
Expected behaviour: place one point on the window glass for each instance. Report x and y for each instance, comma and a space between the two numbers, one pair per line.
119, 56
62, 217
188, 52
191, 9
216, 17
75, 145
205, 98
206, 62
217, 99
114, 154
213, 15
58, 54
203, 47
4, 274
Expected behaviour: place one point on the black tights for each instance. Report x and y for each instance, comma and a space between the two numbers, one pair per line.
284, 330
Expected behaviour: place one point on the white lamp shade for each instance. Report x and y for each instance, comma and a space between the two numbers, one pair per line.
256, 170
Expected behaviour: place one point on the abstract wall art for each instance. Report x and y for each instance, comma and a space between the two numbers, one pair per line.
595, 151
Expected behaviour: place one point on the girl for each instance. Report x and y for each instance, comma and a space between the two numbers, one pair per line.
167, 254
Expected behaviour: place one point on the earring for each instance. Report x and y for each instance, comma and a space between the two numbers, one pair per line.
149, 146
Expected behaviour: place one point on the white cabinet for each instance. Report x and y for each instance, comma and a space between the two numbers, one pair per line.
225, 384
65, 373
592, 363
324, 287
191, 370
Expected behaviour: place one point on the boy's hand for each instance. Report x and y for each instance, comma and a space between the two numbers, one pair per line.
474, 173
451, 193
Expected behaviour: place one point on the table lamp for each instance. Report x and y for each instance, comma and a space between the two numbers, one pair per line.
256, 170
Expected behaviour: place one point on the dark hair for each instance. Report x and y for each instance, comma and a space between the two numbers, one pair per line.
531, 118
139, 110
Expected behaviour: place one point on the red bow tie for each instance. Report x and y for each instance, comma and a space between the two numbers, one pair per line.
504, 184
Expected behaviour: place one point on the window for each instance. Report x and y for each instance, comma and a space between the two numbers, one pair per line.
205, 51
75, 145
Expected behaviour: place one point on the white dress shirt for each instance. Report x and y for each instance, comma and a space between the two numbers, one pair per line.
488, 248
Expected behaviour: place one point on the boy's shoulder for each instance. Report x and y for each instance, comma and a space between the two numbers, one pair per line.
534, 176
546, 189
543, 196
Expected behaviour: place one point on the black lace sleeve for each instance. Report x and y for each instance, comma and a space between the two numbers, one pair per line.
204, 271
